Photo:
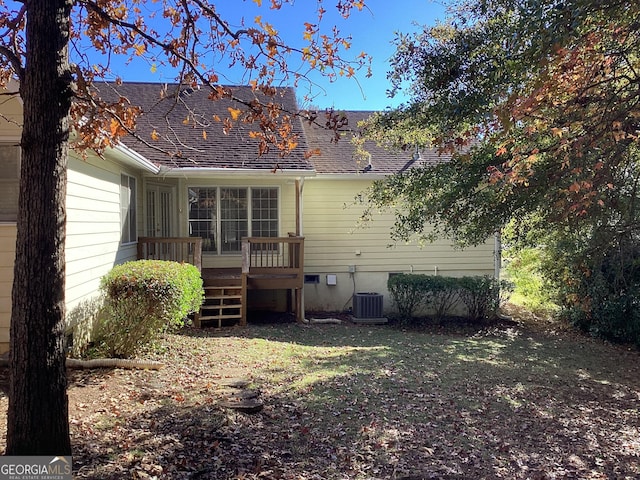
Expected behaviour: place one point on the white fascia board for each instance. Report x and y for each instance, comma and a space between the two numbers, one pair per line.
350, 176
127, 155
235, 172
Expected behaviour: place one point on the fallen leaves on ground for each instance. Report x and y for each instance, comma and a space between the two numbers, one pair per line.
373, 402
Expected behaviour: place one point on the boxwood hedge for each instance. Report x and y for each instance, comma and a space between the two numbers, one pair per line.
480, 295
143, 299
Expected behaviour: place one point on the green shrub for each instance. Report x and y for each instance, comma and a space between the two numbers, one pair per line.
143, 299
617, 318
444, 295
596, 280
481, 296
409, 292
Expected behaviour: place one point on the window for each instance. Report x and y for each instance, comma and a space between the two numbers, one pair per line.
128, 212
203, 207
264, 212
222, 216
234, 218
9, 182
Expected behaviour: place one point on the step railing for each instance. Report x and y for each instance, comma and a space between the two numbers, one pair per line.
273, 255
175, 249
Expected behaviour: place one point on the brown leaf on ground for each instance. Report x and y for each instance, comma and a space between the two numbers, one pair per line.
363, 402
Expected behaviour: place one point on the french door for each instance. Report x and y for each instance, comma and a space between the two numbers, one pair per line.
160, 211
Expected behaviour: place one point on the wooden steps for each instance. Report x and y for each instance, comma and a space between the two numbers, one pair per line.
268, 263
223, 306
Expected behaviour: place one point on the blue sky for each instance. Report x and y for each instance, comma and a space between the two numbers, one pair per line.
372, 31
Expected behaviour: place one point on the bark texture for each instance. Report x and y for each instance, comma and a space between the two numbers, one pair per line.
37, 422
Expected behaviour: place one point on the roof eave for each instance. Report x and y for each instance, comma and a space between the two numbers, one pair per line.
235, 172
352, 176
133, 158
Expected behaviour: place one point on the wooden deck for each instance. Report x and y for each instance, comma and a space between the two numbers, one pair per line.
268, 263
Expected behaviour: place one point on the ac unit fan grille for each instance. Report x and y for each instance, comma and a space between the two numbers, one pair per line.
367, 305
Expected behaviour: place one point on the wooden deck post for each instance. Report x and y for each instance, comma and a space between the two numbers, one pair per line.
299, 186
197, 253
246, 265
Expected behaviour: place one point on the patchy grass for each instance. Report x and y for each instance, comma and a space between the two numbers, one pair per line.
349, 402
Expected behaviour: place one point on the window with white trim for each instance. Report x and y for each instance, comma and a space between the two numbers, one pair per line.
128, 210
222, 216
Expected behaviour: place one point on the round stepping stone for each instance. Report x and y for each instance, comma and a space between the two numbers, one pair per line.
238, 394
234, 382
250, 405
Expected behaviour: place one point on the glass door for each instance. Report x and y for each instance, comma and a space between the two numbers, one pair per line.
160, 211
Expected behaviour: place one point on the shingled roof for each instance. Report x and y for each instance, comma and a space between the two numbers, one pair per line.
340, 157
184, 125
181, 121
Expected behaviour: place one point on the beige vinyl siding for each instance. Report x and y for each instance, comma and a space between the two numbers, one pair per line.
7, 256
11, 119
93, 226
334, 240
9, 180
93, 237
10, 131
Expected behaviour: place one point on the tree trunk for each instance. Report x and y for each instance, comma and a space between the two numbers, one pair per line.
37, 418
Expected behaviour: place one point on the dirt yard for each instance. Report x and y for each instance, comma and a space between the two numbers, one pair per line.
352, 402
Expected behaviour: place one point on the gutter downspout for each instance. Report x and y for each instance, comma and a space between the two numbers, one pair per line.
299, 206
497, 255
300, 231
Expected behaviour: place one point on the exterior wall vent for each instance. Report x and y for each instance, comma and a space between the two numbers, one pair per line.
367, 305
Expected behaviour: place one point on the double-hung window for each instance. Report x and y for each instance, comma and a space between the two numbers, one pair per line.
222, 216
128, 213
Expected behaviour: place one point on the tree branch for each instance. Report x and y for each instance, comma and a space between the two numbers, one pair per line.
209, 11
16, 64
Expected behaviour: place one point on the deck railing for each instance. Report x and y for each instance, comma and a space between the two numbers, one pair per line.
185, 249
275, 255
264, 255
275, 263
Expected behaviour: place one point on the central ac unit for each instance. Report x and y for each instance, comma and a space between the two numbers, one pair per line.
367, 305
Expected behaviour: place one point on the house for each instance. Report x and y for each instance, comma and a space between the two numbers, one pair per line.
188, 179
